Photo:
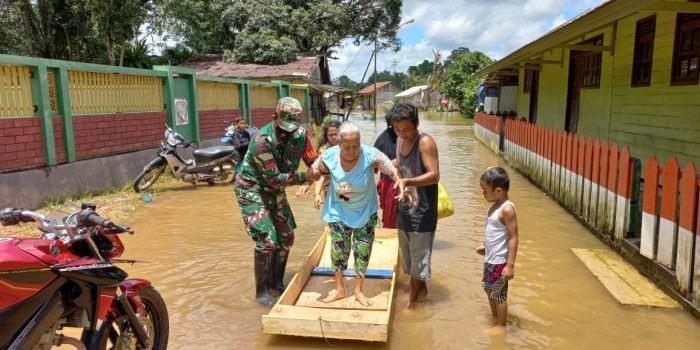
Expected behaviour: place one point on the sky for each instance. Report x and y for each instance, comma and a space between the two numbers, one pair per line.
495, 27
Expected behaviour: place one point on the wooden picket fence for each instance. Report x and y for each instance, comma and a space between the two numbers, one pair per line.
594, 180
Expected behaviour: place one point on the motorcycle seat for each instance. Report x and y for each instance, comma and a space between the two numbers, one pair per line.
214, 152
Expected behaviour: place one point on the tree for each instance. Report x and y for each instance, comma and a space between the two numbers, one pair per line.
346, 82
58, 29
454, 54
117, 22
458, 83
436, 76
199, 25
245, 29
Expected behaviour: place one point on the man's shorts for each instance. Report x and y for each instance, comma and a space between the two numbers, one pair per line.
493, 282
416, 249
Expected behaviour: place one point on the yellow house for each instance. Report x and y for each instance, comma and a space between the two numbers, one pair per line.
625, 71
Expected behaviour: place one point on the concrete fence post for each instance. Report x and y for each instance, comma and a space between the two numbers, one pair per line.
65, 109
42, 107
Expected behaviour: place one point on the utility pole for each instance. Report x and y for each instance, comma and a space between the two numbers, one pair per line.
374, 103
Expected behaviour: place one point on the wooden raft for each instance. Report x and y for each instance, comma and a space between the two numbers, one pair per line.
300, 311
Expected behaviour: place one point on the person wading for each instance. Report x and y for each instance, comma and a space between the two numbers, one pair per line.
417, 158
269, 166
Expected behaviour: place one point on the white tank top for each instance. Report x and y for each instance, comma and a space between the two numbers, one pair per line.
496, 237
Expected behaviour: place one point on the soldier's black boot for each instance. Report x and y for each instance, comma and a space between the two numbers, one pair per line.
263, 276
278, 268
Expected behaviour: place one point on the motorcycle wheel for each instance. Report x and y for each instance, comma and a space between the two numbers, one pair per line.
147, 178
226, 176
116, 334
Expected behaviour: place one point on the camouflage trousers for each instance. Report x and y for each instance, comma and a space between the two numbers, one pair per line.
361, 239
267, 217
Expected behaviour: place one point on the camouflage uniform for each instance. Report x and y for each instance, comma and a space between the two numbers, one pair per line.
267, 169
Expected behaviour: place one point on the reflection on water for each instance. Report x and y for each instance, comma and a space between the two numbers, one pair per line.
201, 261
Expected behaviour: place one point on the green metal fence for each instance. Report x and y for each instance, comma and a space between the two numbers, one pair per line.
44, 88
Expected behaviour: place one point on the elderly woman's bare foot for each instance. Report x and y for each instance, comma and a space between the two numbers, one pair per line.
334, 295
362, 299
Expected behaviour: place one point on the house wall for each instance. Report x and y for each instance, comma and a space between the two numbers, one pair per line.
660, 119
523, 98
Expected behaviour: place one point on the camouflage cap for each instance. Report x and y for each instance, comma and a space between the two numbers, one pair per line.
288, 106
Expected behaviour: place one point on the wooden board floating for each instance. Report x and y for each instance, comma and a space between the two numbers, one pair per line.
622, 280
300, 311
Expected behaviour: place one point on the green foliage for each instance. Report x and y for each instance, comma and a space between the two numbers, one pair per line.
458, 83
173, 56
272, 31
398, 78
460, 51
346, 82
199, 25
117, 22
59, 29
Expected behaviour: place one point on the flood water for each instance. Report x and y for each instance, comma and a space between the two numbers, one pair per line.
200, 259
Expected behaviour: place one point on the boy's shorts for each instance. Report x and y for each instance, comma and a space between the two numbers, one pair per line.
493, 282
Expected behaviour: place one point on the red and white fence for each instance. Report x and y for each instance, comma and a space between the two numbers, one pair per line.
593, 179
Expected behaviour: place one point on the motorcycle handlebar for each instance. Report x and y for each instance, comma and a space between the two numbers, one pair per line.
13, 216
89, 218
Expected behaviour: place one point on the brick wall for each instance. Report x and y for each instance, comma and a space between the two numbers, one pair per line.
261, 116
98, 135
20, 144
58, 138
211, 123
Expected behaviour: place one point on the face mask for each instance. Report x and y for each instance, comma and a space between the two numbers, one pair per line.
289, 122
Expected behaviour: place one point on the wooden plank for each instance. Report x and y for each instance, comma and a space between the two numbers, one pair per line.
667, 220
650, 208
342, 319
580, 175
612, 189
595, 173
686, 229
299, 280
334, 324
624, 192
622, 280
696, 270
603, 182
588, 163
317, 287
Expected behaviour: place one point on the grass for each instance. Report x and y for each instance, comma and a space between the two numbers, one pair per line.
117, 204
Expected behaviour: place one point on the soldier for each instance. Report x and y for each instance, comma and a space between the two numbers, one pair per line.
267, 169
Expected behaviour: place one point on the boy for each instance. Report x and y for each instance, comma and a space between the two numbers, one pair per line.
500, 242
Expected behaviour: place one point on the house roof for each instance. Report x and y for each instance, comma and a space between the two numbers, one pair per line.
412, 91
370, 89
213, 65
594, 19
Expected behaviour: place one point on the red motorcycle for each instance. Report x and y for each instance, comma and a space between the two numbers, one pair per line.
67, 278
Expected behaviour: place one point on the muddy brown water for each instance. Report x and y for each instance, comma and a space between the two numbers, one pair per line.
201, 261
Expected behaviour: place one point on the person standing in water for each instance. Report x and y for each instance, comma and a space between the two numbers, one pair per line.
500, 242
417, 159
269, 166
328, 139
241, 139
386, 142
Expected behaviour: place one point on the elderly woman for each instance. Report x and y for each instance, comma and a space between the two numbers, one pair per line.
350, 208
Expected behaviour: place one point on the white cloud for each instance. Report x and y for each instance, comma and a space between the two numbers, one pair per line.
495, 27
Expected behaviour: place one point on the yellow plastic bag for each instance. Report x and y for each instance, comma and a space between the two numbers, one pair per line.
445, 207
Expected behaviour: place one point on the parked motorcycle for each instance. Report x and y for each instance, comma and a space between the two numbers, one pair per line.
211, 165
67, 278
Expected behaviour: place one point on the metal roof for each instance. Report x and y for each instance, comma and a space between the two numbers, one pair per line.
412, 91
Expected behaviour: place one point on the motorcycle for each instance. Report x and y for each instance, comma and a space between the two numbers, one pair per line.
68, 278
211, 165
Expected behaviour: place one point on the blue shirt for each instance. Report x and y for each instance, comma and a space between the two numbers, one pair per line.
362, 204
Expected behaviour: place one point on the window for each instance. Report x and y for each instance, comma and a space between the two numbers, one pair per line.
686, 49
591, 62
643, 51
527, 85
